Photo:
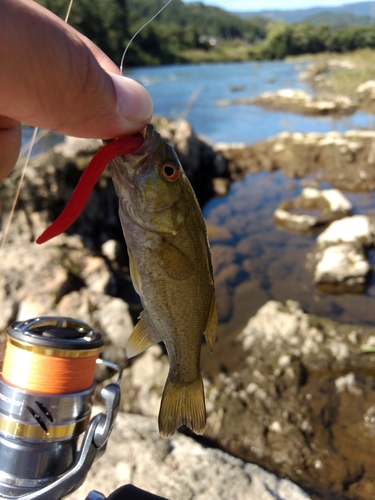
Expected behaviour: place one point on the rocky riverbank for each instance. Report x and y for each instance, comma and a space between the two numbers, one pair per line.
298, 101
296, 394
301, 402
178, 468
346, 161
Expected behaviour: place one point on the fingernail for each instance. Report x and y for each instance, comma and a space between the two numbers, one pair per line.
134, 102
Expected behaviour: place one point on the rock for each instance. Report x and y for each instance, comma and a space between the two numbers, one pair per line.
338, 262
366, 90
35, 279
108, 315
178, 468
143, 382
298, 213
341, 63
300, 403
63, 278
71, 147
357, 229
329, 157
96, 274
304, 388
342, 264
111, 249
298, 101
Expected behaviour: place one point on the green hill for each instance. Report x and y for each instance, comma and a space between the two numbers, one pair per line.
178, 29
360, 9
195, 32
339, 20
211, 21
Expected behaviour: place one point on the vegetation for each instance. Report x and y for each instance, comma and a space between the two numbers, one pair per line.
346, 73
194, 32
339, 20
105, 22
284, 40
180, 31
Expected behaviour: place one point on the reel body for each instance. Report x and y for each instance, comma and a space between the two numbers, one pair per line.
46, 395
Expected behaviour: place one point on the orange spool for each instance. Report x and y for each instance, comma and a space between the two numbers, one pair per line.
52, 368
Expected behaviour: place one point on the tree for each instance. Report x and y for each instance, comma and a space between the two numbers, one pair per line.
105, 22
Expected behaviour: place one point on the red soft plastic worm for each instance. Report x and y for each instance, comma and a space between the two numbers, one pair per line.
121, 146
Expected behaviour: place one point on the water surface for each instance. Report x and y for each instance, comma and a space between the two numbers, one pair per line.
173, 87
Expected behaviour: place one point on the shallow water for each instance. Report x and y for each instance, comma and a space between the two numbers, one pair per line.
270, 262
173, 87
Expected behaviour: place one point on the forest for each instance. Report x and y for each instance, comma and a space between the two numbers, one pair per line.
194, 32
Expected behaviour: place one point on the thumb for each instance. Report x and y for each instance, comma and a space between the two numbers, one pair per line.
54, 78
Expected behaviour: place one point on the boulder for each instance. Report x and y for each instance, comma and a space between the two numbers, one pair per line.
298, 101
338, 262
300, 402
312, 209
63, 278
366, 91
327, 157
178, 468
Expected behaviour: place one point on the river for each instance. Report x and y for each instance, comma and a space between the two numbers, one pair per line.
174, 87
267, 263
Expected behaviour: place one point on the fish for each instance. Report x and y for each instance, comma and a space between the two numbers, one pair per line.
171, 270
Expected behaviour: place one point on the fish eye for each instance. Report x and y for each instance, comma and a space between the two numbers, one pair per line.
170, 172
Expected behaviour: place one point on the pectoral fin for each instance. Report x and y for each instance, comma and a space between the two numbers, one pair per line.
134, 274
211, 327
143, 337
173, 261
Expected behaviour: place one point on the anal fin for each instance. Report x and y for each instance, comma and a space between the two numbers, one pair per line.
143, 337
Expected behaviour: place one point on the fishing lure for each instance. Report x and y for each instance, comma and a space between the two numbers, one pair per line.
121, 146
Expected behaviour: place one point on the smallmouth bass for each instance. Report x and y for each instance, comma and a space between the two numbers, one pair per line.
170, 266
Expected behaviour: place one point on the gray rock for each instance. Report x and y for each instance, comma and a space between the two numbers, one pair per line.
297, 214
71, 147
329, 157
298, 101
338, 262
178, 468
295, 368
366, 91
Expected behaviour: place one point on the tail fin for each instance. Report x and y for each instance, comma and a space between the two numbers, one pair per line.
182, 405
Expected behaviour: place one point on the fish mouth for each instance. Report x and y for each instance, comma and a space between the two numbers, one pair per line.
149, 132
134, 160
149, 145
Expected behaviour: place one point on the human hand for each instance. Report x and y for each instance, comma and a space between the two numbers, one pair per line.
54, 78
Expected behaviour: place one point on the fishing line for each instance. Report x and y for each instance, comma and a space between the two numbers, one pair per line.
68, 11
18, 190
39, 136
26, 164
140, 29
48, 371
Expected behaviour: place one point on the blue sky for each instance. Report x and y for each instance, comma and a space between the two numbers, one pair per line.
247, 5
